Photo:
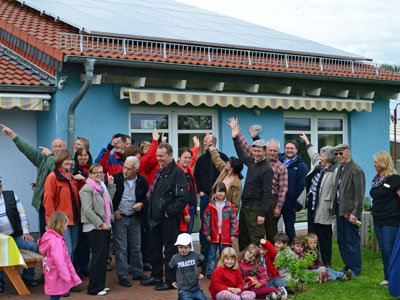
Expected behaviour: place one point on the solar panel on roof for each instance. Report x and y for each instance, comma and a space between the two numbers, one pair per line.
172, 20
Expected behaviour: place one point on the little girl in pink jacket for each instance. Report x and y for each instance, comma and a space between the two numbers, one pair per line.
60, 275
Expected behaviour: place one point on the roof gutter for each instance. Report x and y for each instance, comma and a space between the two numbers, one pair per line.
27, 89
89, 68
223, 70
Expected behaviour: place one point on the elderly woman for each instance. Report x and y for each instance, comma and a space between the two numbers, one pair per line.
316, 196
230, 175
61, 194
385, 194
96, 216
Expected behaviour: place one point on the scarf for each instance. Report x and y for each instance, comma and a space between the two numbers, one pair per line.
378, 180
66, 174
84, 169
100, 190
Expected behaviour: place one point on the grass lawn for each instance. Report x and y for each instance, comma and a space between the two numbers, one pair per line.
363, 287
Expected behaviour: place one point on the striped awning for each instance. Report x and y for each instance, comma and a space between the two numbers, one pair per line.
152, 97
24, 101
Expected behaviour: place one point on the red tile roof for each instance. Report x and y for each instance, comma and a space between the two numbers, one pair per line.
10, 74
42, 32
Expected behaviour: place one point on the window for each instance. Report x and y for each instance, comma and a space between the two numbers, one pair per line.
180, 125
322, 129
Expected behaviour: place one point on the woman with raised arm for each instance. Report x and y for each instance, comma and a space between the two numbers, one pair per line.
186, 160
316, 196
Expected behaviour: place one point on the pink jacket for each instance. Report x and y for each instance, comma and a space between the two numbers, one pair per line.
60, 275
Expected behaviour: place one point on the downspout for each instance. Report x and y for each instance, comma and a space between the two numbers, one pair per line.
89, 68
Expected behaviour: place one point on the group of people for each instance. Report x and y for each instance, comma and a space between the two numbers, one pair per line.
135, 201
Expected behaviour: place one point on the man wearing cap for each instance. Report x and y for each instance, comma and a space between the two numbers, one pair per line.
14, 222
257, 192
347, 198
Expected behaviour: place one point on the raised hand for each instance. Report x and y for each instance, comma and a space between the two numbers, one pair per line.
233, 123
155, 134
164, 138
252, 131
196, 141
110, 178
304, 138
45, 151
8, 131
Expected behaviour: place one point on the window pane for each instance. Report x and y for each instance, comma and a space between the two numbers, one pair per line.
143, 121
302, 146
329, 140
186, 140
330, 125
195, 122
138, 138
299, 124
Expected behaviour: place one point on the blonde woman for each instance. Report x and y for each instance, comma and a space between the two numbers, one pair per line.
385, 194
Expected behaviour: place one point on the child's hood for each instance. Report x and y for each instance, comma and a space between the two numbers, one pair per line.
47, 238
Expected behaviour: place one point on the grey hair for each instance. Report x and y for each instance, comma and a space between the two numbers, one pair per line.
214, 139
273, 140
330, 153
135, 160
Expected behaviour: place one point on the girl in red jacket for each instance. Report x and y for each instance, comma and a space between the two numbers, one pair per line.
255, 276
226, 280
220, 225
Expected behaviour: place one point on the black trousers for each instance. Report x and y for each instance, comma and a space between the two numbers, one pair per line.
99, 245
324, 234
163, 236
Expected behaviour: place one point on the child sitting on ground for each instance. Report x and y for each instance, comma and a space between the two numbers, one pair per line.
298, 246
187, 276
281, 244
268, 254
220, 225
325, 273
255, 276
226, 280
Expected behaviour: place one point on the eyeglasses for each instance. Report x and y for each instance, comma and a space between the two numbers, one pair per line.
339, 153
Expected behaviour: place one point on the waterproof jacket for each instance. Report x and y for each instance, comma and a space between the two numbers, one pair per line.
148, 162
44, 165
59, 194
323, 211
229, 224
297, 172
111, 163
92, 209
59, 273
223, 278
170, 195
234, 193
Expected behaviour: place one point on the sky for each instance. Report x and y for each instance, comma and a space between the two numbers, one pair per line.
366, 27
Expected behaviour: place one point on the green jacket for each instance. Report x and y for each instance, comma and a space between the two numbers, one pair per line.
44, 165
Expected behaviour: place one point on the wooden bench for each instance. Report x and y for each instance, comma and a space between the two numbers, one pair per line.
31, 259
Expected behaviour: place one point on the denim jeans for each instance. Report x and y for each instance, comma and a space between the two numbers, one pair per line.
194, 293
57, 297
333, 275
71, 239
82, 252
349, 242
27, 274
277, 282
289, 218
192, 214
204, 245
386, 236
212, 253
127, 230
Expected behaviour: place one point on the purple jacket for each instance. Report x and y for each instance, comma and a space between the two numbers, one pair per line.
60, 275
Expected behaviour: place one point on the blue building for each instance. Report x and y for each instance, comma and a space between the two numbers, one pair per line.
134, 66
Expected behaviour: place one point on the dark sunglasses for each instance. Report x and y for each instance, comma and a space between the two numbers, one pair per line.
339, 153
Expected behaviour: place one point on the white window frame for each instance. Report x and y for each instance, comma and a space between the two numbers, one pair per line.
314, 116
173, 113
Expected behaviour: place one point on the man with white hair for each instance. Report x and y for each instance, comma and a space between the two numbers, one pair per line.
128, 203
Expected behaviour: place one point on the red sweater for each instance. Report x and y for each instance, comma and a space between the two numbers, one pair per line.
269, 260
223, 278
149, 163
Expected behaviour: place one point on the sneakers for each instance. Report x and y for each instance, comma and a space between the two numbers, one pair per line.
271, 296
281, 293
102, 293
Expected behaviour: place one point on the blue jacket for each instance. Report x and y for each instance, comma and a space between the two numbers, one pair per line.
297, 172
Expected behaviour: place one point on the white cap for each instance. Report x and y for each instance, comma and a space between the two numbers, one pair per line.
184, 239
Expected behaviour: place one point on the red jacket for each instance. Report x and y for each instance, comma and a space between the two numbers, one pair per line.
269, 260
185, 212
229, 223
112, 164
223, 278
149, 163
260, 274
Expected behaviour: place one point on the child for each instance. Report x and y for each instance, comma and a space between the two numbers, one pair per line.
325, 273
255, 277
187, 278
298, 245
226, 280
59, 273
268, 254
220, 225
281, 244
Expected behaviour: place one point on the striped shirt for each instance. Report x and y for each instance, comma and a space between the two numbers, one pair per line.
5, 225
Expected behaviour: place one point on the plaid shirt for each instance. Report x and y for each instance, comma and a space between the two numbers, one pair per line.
280, 178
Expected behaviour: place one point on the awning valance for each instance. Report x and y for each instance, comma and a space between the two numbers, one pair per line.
35, 102
152, 97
